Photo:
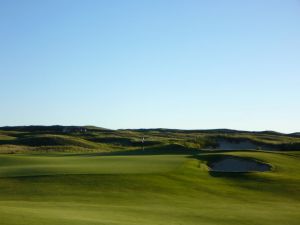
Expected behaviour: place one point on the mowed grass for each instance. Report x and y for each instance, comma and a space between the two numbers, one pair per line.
61, 164
149, 190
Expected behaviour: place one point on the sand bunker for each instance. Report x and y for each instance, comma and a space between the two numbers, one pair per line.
234, 164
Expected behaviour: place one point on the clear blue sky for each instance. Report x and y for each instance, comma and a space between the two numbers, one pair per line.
156, 63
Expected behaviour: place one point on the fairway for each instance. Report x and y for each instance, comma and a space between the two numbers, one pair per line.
60, 164
85, 189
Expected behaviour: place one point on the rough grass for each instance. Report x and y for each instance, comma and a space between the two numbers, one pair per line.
43, 138
148, 190
53, 140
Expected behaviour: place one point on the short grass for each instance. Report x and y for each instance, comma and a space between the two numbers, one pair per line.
89, 189
62, 164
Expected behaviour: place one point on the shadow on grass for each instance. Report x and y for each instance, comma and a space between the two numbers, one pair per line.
169, 149
158, 150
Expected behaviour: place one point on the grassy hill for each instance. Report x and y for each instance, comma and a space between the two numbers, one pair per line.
90, 189
89, 138
89, 175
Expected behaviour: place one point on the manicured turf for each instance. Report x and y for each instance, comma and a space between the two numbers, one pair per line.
147, 190
61, 164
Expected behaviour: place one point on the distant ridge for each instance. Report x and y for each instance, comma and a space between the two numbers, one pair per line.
221, 130
296, 134
57, 128
86, 138
51, 128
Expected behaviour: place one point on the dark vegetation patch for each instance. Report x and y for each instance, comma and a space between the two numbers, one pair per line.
123, 141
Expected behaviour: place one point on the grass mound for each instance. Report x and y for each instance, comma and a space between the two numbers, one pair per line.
55, 140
